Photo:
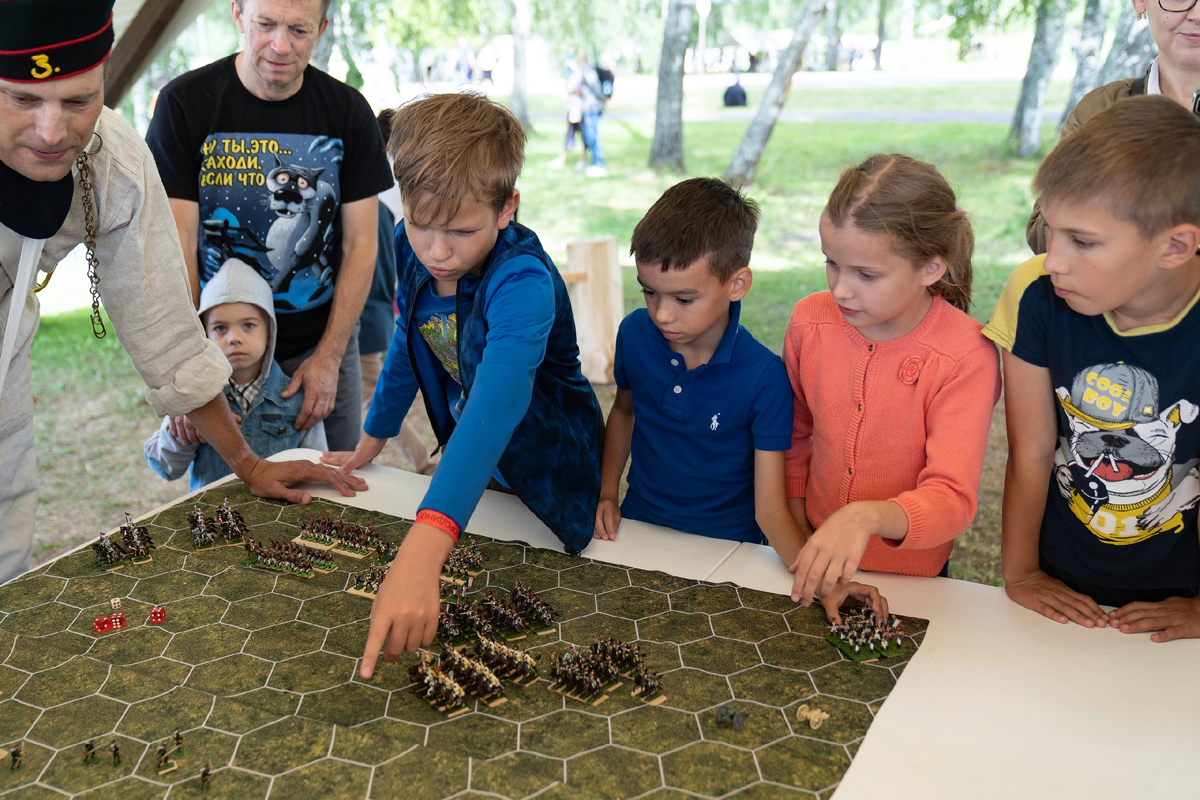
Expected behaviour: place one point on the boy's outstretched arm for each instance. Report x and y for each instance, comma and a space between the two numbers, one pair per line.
1029, 408
771, 506
405, 612
618, 435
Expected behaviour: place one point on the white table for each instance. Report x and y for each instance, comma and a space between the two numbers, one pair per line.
998, 702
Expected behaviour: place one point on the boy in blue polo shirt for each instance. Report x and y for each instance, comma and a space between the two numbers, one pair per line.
704, 407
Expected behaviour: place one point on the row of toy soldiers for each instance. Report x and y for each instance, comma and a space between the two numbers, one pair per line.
533, 606
281, 555
319, 528
107, 552
860, 629
201, 527
627, 657
575, 676
136, 538
468, 618
233, 526
474, 676
440, 688
465, 560
509, 662
368, 580
502, 613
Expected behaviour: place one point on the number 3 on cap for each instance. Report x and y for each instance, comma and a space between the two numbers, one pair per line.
42, 68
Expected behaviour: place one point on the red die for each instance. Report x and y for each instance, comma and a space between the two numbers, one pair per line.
158, 615
118, 621
102, 624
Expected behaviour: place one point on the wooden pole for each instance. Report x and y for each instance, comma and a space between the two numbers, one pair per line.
594, 275
132, 53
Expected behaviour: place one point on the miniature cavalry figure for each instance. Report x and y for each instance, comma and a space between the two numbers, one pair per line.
233, 526
108, 554
285, 556
368, 580
318, 528
471, 674
501, 612
136, 539
508, 662
866, 635
201, 528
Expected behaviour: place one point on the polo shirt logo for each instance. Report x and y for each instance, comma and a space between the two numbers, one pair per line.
714, 424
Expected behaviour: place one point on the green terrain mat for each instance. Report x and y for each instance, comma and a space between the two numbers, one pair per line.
259, 670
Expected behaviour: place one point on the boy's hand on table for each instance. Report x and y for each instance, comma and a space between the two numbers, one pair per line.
608, 519
1052, 598
1173, 618
859, 594
368, 448
830, 556
405, 612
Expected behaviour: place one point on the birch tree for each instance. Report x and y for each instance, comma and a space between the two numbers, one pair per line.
1132, 49
1087, 55
667, 148
1043, 58
519, 102
745, 161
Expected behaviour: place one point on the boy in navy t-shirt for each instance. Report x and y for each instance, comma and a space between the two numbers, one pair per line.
704, 407
1102, 380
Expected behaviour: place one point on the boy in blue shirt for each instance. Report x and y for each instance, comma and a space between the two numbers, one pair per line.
1102, 380
487, 335
703, 406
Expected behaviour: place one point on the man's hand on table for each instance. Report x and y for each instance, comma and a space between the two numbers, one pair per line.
275, 479
1053, 599
858, 594
405, 612
1174, 618
318, 376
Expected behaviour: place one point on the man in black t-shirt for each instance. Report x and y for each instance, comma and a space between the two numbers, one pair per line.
272, 161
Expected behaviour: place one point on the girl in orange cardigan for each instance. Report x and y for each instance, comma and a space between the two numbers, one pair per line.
894, 383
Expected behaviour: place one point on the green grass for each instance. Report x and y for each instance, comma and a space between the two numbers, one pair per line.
800, 167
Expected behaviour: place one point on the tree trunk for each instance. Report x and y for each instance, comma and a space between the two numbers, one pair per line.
667, 149
1087, 57
1043, 57
519, 102
1132, 50
745, 160
833, 35
324, 46
908, 21
882, 31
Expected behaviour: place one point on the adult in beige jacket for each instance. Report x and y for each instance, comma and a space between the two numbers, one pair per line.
1175, 28
52, 113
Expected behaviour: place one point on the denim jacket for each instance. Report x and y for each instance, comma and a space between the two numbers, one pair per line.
268, 425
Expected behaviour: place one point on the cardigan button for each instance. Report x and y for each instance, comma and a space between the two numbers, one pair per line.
850, 470
860, 406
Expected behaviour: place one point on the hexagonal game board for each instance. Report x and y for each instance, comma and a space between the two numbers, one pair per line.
259, 672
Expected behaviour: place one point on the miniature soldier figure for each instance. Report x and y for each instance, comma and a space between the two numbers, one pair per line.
116, 752
205, 775
162, 754
89, 750
18, 755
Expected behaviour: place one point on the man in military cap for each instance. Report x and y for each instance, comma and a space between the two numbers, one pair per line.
71, 172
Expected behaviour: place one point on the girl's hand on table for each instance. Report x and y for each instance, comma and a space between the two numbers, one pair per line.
405, 612
1173, 618
858, 594
365, 452
830, 556
1051, 598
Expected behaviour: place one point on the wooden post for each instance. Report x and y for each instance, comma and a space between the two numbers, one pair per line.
594, 278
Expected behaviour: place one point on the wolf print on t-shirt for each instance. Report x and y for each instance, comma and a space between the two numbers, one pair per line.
272, 200
1119, 469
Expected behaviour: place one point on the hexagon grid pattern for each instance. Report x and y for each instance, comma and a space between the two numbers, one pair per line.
259, 672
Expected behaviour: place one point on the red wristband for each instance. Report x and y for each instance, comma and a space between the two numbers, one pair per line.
440, 521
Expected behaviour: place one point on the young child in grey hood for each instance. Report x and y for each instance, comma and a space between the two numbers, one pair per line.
238, 314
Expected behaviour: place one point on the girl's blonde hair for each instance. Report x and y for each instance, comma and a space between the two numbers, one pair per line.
909, 201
